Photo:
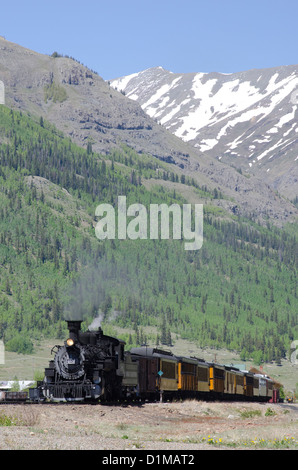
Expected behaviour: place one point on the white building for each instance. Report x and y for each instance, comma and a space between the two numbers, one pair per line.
22, 384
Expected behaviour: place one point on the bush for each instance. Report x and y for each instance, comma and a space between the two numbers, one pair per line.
6, 420
250, 413
270, 412
19, 344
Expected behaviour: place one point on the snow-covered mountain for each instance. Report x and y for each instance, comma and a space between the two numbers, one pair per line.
247, 119
91, 111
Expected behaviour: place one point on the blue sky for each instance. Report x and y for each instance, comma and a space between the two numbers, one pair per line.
120, 37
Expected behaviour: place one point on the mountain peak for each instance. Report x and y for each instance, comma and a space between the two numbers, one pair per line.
246, 119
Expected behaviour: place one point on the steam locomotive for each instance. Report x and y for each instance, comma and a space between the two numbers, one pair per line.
88, 367
92, 367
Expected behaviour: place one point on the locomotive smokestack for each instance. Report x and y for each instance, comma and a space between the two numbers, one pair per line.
74, 326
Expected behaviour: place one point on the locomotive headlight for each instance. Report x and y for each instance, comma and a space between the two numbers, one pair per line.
70, 342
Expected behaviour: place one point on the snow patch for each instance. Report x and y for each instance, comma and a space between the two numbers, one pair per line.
207, 144
121, 83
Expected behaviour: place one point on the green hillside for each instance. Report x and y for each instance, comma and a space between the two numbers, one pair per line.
238, 291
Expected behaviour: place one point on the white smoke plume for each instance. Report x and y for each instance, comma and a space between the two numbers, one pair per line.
96, 323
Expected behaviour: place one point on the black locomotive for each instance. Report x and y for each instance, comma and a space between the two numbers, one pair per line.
91, 366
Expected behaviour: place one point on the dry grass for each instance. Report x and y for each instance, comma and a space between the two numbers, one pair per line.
185, 425
20, 416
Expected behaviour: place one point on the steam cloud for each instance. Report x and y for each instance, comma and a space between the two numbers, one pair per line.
96, 323
91, 294
87, 294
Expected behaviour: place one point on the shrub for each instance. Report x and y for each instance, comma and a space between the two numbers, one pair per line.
20, 344
270, 412
250, 413
6, 420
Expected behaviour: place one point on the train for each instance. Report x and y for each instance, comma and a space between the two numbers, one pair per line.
91, 367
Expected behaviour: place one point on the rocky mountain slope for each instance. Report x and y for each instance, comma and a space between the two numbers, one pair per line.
235, 291
246, 119
82, 105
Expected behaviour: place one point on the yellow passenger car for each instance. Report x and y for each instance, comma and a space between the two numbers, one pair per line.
216, 378
230, 381
203, 376
187, 375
